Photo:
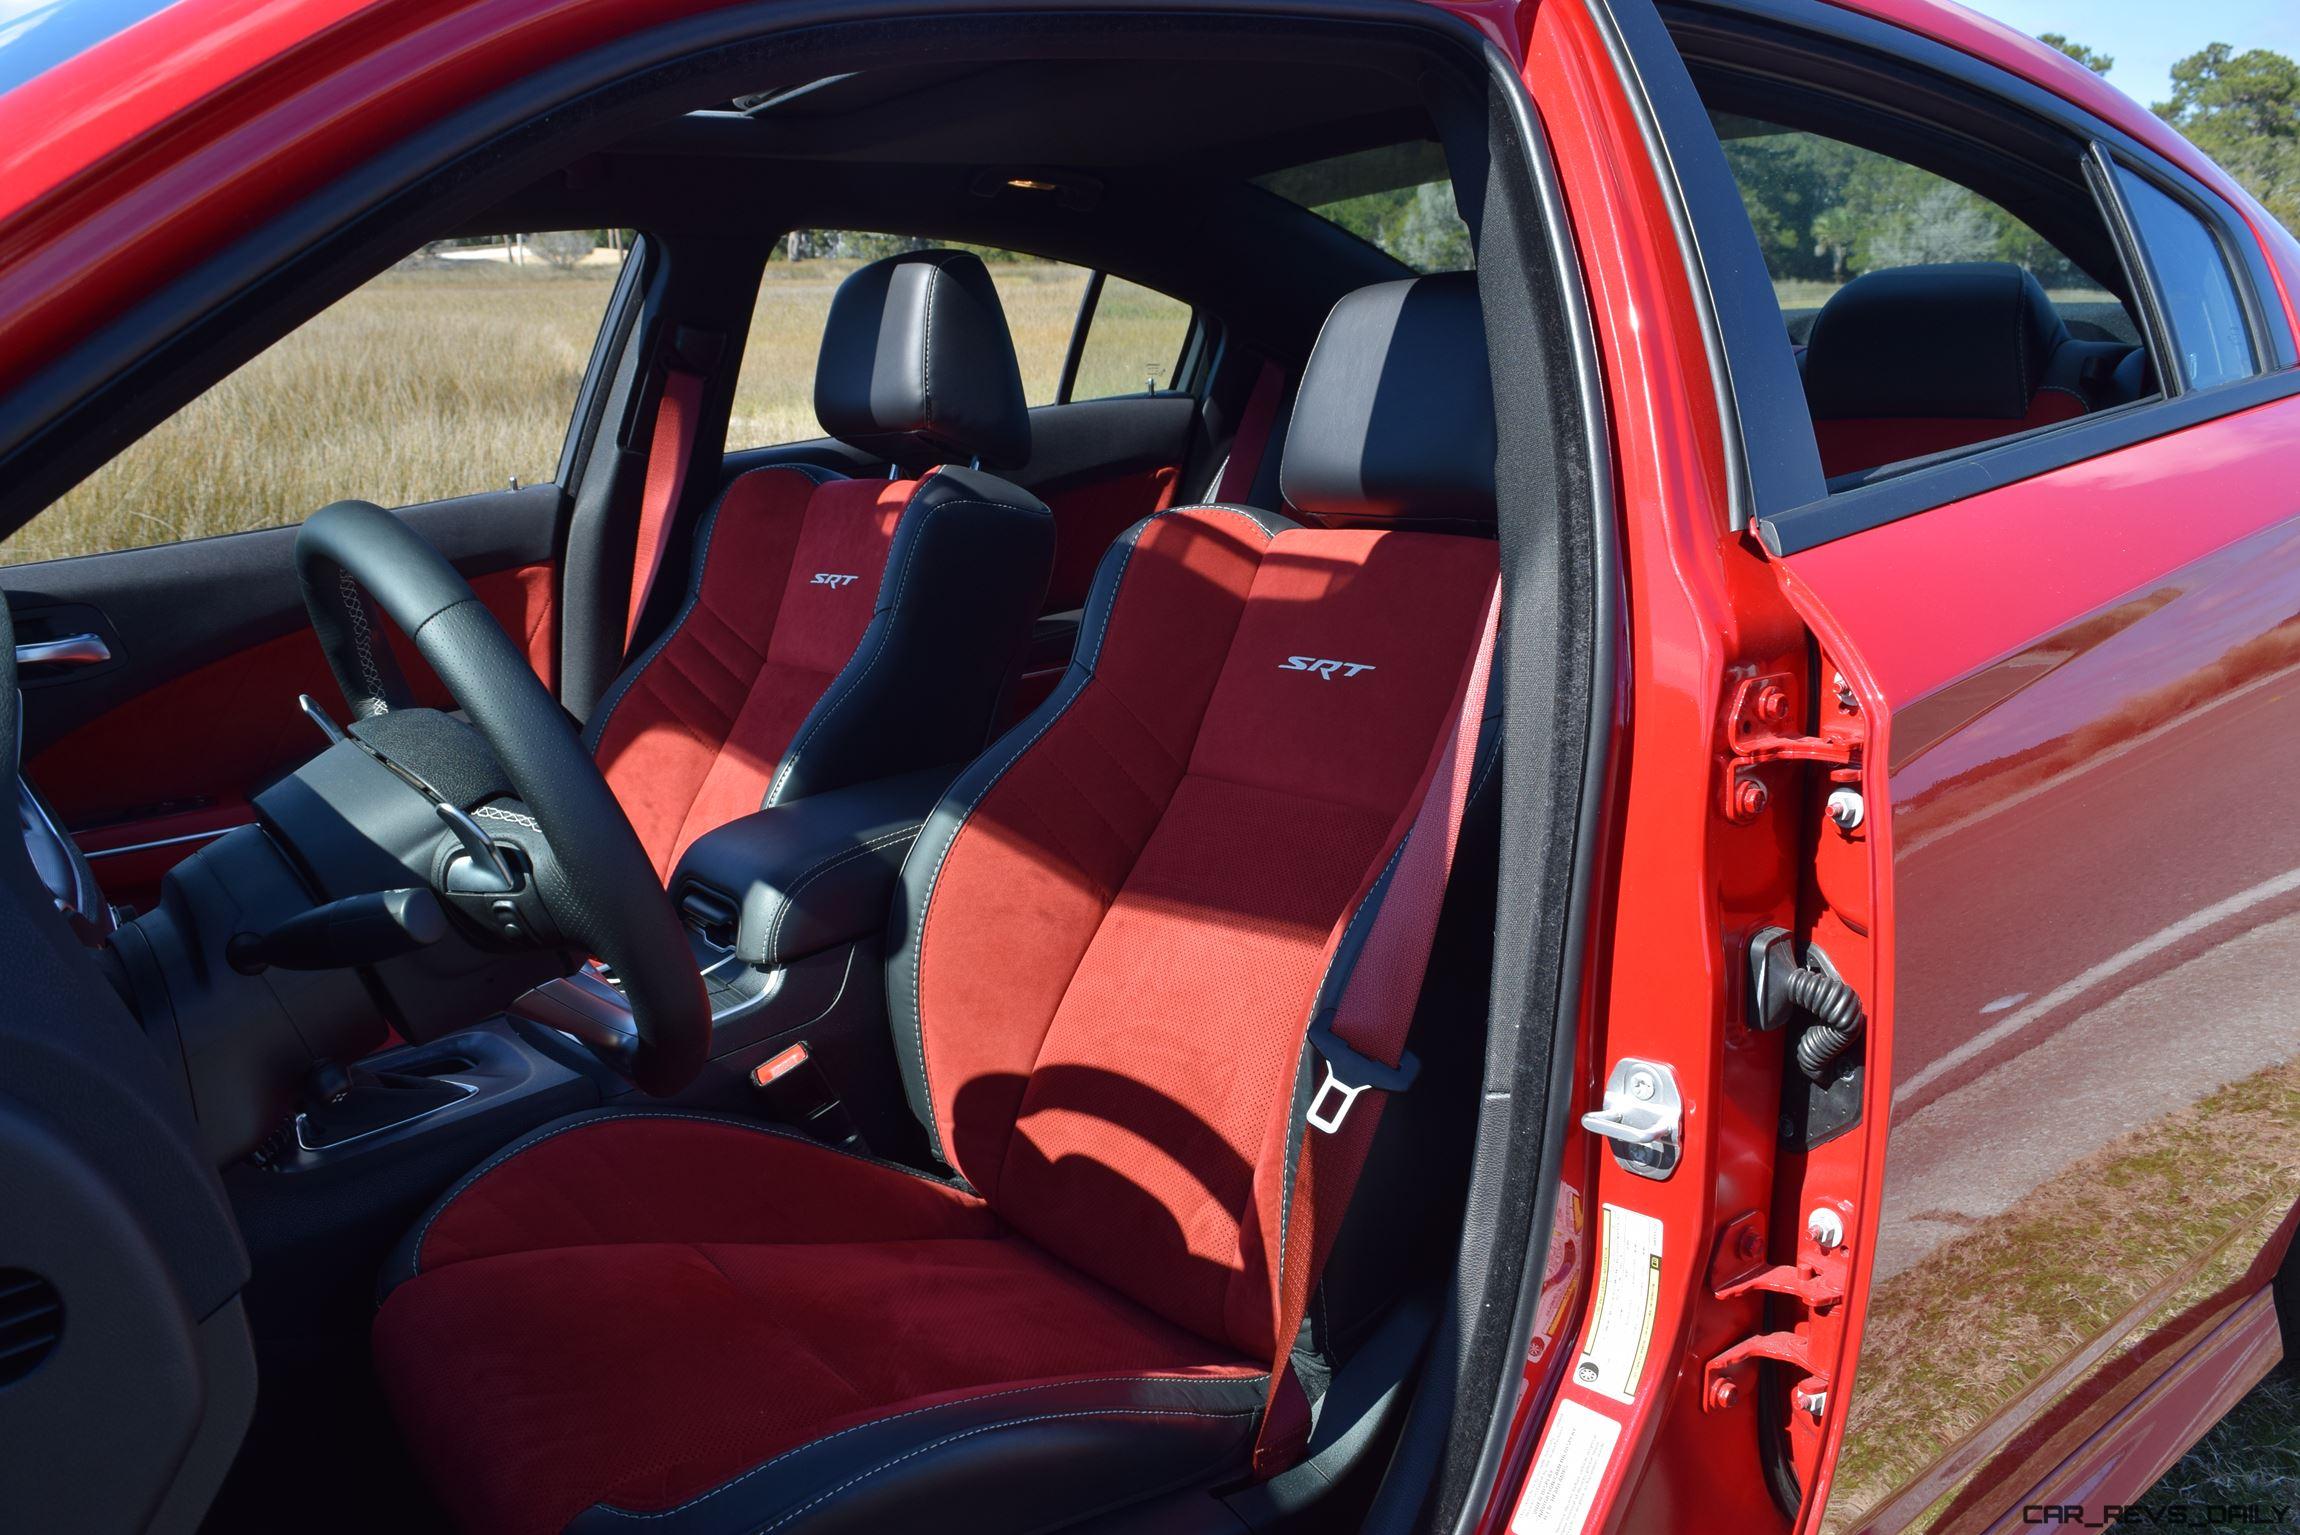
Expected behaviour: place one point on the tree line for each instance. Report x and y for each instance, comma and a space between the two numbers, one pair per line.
1826, 211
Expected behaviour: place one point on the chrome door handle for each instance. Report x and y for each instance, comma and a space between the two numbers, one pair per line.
70, 650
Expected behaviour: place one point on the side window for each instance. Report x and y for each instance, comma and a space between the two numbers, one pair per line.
2193, 283
455, 371
1827, 211
1928, 318
1134, 341
1398, 198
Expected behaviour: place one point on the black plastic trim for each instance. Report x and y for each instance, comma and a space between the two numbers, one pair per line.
1771, 458
1075, 352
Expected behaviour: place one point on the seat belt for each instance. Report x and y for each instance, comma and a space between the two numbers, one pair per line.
678, 411
1360, 1038
1252, 439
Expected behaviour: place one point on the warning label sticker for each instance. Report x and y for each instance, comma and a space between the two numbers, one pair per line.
1564, 1480
1621, 1315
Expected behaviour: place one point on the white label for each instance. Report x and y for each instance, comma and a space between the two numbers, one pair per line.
1628, 1290
1566, 1475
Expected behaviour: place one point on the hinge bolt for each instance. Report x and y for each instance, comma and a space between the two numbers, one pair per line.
1847, 808
1845, 697
1772, 704
1750, 797
1724, 1393
1826, 1227
1813, 1402
1750, 1243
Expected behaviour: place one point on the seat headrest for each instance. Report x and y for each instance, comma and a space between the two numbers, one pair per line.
1393, 423
1969, 340
917, 365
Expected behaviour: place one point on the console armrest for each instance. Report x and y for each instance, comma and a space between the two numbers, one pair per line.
811, 874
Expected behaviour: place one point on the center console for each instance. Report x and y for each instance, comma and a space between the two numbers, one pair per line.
786, 911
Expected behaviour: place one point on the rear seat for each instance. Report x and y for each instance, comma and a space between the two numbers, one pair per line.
1925, 359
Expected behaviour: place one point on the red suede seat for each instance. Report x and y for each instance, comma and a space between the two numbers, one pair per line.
647, 1301
1111, 941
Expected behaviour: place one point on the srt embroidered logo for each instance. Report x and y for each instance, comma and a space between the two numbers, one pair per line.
825, 578
1327, 670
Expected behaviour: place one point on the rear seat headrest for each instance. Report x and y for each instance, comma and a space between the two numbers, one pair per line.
1393, 423
1969, 340
917, 365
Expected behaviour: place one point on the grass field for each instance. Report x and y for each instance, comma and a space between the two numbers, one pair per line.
439, 383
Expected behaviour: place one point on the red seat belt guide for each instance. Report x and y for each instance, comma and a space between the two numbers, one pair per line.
673, 445
1252, 438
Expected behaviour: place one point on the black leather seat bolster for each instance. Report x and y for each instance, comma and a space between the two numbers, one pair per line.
964, 582
813, 873
1013, 1458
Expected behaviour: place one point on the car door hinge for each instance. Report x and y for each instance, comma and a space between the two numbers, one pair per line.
1757, 732
1817, 1283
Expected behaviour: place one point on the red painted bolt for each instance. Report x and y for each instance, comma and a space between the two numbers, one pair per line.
1773, 704
1750, 797
1724, 1393
1750, 1243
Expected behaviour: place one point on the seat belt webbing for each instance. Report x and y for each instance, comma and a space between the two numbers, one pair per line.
1252, 439
1370, 1019
677, 414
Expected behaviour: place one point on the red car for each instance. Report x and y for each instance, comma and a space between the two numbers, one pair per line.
1513, 765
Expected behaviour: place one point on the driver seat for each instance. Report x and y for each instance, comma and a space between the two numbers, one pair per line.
836, 630
1110, 940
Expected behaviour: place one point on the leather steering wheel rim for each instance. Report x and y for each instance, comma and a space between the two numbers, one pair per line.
603, 891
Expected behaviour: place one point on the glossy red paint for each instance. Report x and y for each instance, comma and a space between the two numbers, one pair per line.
1704, 608
2088, 677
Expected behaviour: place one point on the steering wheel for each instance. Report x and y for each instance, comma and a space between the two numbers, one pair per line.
593, 877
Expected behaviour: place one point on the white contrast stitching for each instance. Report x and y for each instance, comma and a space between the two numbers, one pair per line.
791, 898
464, 1184
498, 813
988, 1396
363, 641
1079, 661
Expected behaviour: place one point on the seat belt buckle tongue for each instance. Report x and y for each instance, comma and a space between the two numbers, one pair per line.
1349, 1073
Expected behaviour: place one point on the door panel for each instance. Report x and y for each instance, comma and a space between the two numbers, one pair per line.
148, 755
2093, 690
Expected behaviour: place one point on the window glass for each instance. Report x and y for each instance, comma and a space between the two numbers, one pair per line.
453, 372
2192, 279
1826, 211
1133, 343
775, 389
1399, 198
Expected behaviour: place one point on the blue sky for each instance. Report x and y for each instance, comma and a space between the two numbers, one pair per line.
2146, 36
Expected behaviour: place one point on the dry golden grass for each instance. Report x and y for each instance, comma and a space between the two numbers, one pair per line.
422, 385
418, 385
1949, 1340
